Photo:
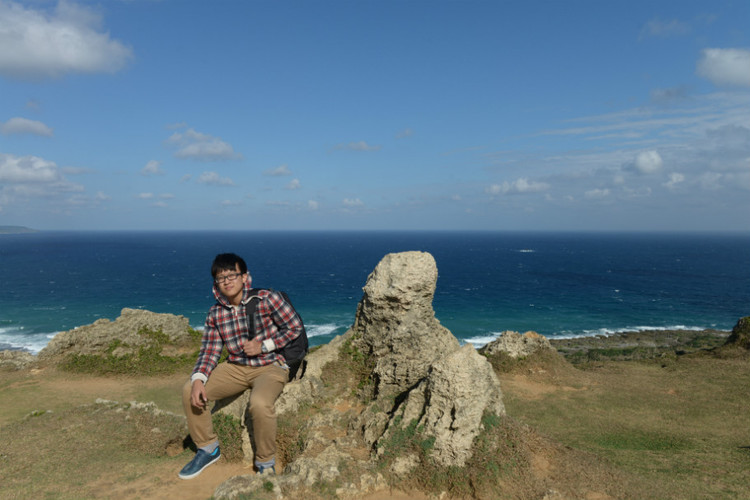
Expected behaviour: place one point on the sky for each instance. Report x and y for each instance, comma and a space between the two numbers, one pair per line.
378, 115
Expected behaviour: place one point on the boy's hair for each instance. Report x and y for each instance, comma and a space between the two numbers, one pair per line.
227, 262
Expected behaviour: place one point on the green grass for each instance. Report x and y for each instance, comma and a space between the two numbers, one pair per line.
147, 359
66, 449
678, 428
229, 431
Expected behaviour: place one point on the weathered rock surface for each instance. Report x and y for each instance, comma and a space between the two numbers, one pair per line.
396, 325
97, 337
16, 360
451, 401
516, 345
740, 336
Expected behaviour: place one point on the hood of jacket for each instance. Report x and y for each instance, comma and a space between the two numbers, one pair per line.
246, 288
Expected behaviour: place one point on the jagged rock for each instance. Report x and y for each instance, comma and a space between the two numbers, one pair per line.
97, 337
740, 336
420, 372
450, 403
447, 388
395, 323
15, 360
516, 345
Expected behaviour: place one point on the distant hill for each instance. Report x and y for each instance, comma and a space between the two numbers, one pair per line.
16, 229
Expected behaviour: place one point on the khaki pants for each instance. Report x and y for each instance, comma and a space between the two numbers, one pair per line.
228, 380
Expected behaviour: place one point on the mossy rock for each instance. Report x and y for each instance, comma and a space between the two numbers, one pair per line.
740, 336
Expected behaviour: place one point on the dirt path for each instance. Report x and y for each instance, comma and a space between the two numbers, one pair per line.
162, 483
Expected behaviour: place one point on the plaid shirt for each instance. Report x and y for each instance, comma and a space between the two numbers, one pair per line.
227, 326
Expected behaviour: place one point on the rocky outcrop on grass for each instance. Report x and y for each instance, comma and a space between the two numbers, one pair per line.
517, 345
134, 328
740, 336
395, 392
16, 360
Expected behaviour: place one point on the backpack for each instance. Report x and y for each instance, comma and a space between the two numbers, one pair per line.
295, 350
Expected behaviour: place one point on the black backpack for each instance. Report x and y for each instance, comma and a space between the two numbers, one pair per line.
296, 350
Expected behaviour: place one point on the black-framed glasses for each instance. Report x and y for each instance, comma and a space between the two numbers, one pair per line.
226, 278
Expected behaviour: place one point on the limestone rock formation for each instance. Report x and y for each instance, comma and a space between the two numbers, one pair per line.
97, 337
516, 345
451, 401
16, 360
396, 325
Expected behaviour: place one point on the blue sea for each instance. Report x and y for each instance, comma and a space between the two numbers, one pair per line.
557, 284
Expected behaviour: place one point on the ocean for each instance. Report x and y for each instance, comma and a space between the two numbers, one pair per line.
557, 284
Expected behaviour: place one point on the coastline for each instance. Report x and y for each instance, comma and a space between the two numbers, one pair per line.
645, 343
632, 344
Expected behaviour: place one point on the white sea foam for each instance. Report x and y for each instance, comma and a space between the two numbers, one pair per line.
17, 338
481, 340
314, 330
607, 332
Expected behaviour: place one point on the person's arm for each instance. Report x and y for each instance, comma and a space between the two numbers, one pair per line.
211, 346
288, 323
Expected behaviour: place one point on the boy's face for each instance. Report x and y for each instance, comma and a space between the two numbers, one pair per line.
231, 283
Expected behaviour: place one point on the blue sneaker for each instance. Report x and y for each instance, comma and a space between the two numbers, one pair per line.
200, 461
269, 470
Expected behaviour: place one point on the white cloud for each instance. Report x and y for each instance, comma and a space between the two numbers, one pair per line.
214, 179
199, 146
664, 29
36, 43
405, 133
313, 205
145, 196
352, 202
725, 66
519, 186
25, 126
674, 179
28, 170
710, 181
648, 162
357, 146
153, 167
294, 184
596, 194
279, 171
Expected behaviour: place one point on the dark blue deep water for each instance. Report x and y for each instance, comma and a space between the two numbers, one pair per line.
556, 284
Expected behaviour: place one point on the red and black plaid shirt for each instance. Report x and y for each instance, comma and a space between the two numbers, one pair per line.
227, 326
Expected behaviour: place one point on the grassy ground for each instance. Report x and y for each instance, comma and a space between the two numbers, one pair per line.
664, 427
680, 426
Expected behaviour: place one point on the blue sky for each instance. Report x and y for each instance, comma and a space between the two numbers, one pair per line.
506, 115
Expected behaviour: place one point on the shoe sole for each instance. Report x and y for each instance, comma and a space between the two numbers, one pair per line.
191, 476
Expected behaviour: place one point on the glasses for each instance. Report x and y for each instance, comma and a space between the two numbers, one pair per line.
226, 278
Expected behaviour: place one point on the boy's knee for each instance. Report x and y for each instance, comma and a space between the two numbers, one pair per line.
186, 389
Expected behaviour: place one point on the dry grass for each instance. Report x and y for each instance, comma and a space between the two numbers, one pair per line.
680, 427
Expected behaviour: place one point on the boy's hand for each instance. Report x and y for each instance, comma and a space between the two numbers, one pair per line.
252, 348
198, 395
